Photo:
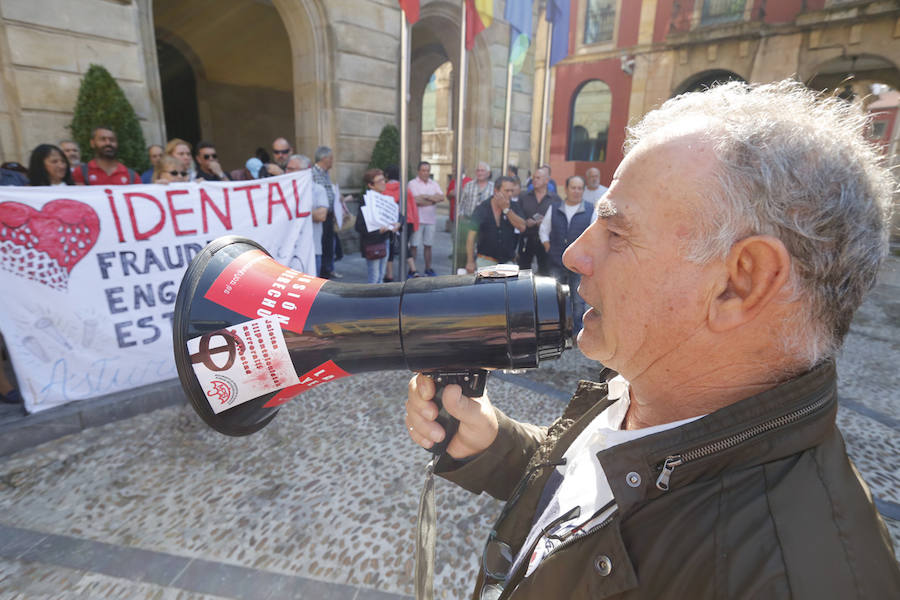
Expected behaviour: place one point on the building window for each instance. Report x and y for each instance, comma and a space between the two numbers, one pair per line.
599, 21
722, 11
879, 130
591, 110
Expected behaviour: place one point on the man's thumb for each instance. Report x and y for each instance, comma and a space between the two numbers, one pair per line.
456, 404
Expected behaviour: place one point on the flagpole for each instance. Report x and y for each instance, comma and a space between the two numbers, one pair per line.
404, 167
546, 100
461, 103
506, 119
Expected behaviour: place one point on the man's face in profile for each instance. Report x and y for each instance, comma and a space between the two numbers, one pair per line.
645, 298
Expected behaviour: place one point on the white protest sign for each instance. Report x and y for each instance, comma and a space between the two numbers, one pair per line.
379, 210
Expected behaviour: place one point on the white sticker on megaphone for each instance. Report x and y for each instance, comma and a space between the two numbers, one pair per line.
242, 362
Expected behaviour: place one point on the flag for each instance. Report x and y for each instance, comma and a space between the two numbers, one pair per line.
558, 16
479, 16
411, 8
518, 15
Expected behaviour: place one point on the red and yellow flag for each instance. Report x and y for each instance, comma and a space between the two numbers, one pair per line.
479, 16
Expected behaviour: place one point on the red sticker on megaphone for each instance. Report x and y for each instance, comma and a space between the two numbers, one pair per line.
257, 286
327, 371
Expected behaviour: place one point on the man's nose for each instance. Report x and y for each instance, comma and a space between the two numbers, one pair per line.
577, 257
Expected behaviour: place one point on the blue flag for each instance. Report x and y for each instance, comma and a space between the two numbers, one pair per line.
558, 16
518, 15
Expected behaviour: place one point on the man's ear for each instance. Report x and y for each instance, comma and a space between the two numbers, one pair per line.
757, 268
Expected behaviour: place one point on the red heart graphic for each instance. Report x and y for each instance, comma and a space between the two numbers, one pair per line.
45, 245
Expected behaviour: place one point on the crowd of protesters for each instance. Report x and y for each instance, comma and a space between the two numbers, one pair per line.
500, 220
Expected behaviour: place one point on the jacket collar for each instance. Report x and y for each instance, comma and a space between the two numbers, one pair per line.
559, 204
814, 391
758, 429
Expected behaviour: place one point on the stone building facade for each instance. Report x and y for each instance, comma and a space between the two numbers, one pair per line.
241, 72
635, 55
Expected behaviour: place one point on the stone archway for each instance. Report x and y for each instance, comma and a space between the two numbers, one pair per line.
435, 40
312, 59
262, 70
854, 77
178, 73
706, 79
856, 71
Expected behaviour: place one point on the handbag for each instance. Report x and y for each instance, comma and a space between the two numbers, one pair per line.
375, 251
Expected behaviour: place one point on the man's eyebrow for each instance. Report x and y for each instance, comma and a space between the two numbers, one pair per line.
606, 209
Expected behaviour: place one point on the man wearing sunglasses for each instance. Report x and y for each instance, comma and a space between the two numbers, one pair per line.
740, 233
208, 166
281, 152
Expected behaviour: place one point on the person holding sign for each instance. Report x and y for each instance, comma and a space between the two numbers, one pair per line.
378, 217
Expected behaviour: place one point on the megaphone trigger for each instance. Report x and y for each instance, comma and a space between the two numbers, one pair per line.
472, 384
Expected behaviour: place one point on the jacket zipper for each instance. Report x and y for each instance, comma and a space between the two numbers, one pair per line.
676, 460
574, 538
507, 590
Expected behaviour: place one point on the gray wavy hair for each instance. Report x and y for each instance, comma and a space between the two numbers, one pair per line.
794, 165
302, 159
322, 152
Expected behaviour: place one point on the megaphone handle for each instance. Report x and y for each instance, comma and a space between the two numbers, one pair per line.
472, 384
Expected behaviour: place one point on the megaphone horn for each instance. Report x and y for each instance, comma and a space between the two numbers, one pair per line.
250, 333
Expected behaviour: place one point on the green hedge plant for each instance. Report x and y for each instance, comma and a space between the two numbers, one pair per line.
102, 102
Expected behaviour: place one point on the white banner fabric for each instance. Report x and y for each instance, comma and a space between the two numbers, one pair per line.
90, 273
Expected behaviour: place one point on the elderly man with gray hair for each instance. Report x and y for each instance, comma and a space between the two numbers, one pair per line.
473, 193
319, 212
740, 233
324, 160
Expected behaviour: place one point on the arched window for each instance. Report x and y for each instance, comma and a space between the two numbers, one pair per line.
591, 108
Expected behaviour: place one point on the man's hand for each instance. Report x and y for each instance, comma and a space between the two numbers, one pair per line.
274, 169
216, 168
470, 266
477, 420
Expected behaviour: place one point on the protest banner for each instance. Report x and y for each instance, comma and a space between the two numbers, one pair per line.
90, 273
379, 210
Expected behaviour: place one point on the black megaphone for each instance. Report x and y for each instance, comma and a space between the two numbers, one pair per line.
250, 333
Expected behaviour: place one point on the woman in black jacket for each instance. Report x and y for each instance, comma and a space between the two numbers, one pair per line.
374, 244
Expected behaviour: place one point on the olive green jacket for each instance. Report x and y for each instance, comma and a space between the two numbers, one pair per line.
756, 500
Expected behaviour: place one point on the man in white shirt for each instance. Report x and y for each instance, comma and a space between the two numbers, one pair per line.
593, 190
427, 193
299, 162
562, 224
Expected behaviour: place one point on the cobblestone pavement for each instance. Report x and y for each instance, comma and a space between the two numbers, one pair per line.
322, 502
